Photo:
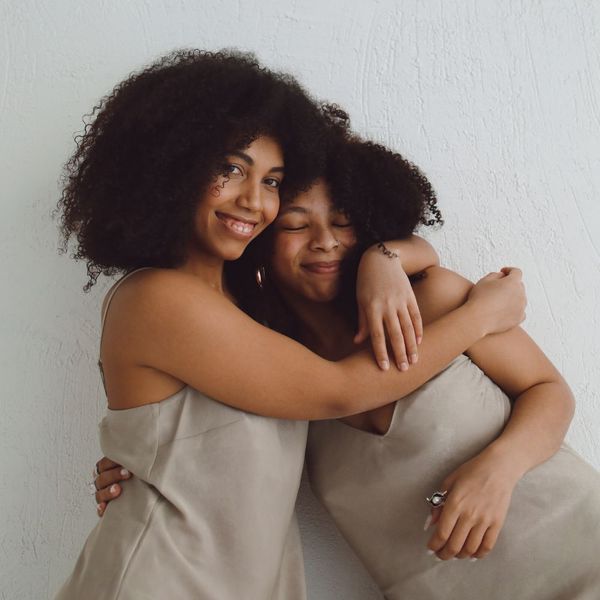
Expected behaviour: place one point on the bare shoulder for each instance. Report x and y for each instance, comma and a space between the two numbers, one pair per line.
439, 292
154, 292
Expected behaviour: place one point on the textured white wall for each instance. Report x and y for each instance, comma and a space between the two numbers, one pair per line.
497, 100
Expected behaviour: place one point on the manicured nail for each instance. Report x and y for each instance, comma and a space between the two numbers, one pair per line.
427, 522
419, 339
472, 559
431, 552
124, 473
403, 366
413, 358
384, 364
113, 488
98, 508
438, 559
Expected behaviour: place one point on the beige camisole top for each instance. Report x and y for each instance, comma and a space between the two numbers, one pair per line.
375, 486
209, 513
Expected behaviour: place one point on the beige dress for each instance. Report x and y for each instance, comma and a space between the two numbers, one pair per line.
374, 487
209, 514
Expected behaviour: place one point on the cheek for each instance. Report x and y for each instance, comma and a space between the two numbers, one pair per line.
271, 208
285, 256
348, 238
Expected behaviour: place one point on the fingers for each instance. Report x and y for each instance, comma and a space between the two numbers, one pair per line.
512, 272
473, 541
443, 530
456, 540
101, 508
396, 337
415, 316
114, 475
410, 338
432, 518
488, 542
375, 324
461, 536
108, 493
403, 329
105, 463
363, 330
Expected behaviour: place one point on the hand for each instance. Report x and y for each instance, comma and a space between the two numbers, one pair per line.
501, 298
387, 307
479, 493
107, 482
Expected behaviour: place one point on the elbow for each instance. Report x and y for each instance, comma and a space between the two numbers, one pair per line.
569, 402
337, 407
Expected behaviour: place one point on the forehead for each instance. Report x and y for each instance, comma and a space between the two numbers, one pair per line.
316, 199
263, 149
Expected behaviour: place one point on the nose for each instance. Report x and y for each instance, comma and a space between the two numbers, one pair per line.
250, 196
324, 239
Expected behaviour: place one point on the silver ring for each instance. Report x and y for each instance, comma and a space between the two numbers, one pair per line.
437, 499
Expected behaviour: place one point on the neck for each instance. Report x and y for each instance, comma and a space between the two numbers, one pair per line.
324, 330
207, 267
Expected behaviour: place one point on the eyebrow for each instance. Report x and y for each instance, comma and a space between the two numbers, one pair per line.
250, 161
290, 208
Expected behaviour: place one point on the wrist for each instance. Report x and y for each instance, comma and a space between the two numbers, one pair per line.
508, 462
477, 318
389, 250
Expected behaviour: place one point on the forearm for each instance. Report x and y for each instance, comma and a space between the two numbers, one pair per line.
366, 387
415, 253
538, 424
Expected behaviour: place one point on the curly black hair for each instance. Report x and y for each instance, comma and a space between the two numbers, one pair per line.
155, 143
384, 196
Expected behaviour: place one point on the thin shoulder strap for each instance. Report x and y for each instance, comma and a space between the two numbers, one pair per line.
111, 294
107, 302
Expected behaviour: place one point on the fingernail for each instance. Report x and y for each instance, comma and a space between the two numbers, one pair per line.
413, 358
427, 523
472, 559
403, 366
98, 508
113, 488
419, 339
431, 552
124, 473
384, 364
438, 559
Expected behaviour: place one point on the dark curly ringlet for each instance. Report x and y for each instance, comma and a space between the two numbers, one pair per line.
383, 194
156, 142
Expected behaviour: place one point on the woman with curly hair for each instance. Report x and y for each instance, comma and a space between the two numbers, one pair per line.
487, 431
179, 171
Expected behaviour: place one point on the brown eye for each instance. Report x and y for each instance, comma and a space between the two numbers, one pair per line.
232, 169
272, 182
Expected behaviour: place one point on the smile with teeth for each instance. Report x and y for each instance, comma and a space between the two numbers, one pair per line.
236, 224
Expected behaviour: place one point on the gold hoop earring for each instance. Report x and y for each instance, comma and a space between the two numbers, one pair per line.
260, 277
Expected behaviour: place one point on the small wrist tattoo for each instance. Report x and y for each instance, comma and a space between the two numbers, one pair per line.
386, 250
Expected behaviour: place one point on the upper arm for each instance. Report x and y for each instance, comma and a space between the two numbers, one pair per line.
511, 359
173, 323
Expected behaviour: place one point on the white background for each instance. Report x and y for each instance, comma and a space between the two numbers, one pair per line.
497, 100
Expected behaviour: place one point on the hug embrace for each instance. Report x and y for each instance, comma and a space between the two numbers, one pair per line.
276, 305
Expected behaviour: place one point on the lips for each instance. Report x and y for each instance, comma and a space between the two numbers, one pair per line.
323, 267
238, 225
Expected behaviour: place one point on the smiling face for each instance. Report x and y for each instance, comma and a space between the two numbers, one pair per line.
311, 237
240, 203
